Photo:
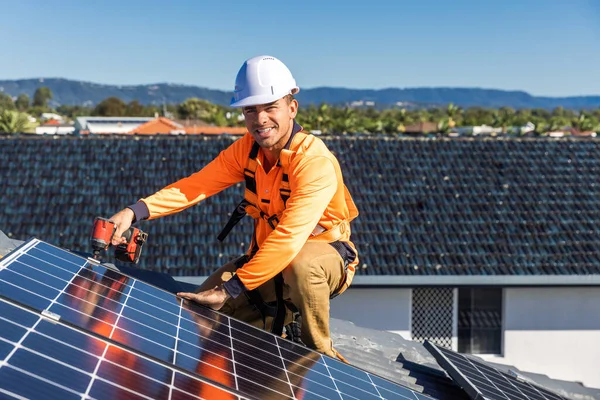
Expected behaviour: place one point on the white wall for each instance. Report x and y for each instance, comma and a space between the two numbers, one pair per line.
554, 331
54, 130
380, 309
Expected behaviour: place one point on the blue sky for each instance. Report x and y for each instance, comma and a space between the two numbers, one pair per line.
545, 47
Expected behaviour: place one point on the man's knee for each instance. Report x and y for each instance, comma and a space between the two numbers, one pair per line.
317, 263
304, 269
300, 267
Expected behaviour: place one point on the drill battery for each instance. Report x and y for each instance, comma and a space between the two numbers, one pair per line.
132, 249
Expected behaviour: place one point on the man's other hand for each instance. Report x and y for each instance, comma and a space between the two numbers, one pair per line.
213, 298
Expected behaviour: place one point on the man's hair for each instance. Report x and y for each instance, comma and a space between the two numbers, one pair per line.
289, 98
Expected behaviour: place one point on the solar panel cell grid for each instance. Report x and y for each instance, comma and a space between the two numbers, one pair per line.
55, 361
126, 335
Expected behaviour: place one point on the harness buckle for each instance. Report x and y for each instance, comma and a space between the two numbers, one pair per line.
273, 221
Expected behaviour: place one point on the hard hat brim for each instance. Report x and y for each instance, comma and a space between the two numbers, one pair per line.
261, 99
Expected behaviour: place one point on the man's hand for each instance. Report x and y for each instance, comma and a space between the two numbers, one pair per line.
122, 221
213, 298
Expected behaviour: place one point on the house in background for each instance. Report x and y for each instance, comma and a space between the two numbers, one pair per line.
421, 128
54, 127
108, 125
148, 126
165, 126
52, 116
477, 130
160, 125
215, 130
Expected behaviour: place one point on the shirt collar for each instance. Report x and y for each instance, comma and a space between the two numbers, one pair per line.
297, 128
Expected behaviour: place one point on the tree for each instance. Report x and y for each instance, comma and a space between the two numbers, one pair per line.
562, 112
6, 102
22, 102
584, 122
74, 111
194, 108
135, 109
394, 121
324, 118
503, 118
315, 118
557, 123
453, 113
448, 121
423, 115
41, 97
110, 107
13, 121
345, 120
219, 118
476, 116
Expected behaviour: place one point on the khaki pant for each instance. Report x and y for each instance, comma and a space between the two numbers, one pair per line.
316, 274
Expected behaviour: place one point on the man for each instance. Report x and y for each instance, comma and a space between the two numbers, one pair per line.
301, 254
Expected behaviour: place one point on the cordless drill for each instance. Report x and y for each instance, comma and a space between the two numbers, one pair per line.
102, 234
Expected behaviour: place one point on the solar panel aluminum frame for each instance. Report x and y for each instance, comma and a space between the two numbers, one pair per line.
17, 251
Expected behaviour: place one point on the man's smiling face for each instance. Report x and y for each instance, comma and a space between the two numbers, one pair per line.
271, 124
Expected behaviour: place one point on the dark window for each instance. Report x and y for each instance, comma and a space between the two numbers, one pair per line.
480, 320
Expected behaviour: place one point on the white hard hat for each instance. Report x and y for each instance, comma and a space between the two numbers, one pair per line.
262, 80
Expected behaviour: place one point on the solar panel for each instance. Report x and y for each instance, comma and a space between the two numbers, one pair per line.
482, 381
98, 331
44, 359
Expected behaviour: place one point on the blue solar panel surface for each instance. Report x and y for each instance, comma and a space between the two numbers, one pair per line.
44, 359
72, 327
482, 381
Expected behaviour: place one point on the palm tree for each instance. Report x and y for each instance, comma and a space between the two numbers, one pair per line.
503, 118
584, 122
453, 112
323, 118
393, 121
345, 120
448, 121
13, 121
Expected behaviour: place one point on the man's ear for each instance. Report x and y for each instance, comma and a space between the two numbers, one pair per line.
293, 108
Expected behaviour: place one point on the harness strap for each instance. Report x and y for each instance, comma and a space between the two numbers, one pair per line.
248, 204
277, 327
236, 216
250, 170
284, 190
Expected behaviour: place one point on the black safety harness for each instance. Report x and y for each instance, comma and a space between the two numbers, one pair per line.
277, 309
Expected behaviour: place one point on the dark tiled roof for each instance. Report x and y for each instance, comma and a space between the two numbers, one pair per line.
428, 207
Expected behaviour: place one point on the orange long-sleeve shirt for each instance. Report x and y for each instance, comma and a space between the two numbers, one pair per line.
318, 196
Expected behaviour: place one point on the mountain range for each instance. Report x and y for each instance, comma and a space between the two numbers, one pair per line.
72, 92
